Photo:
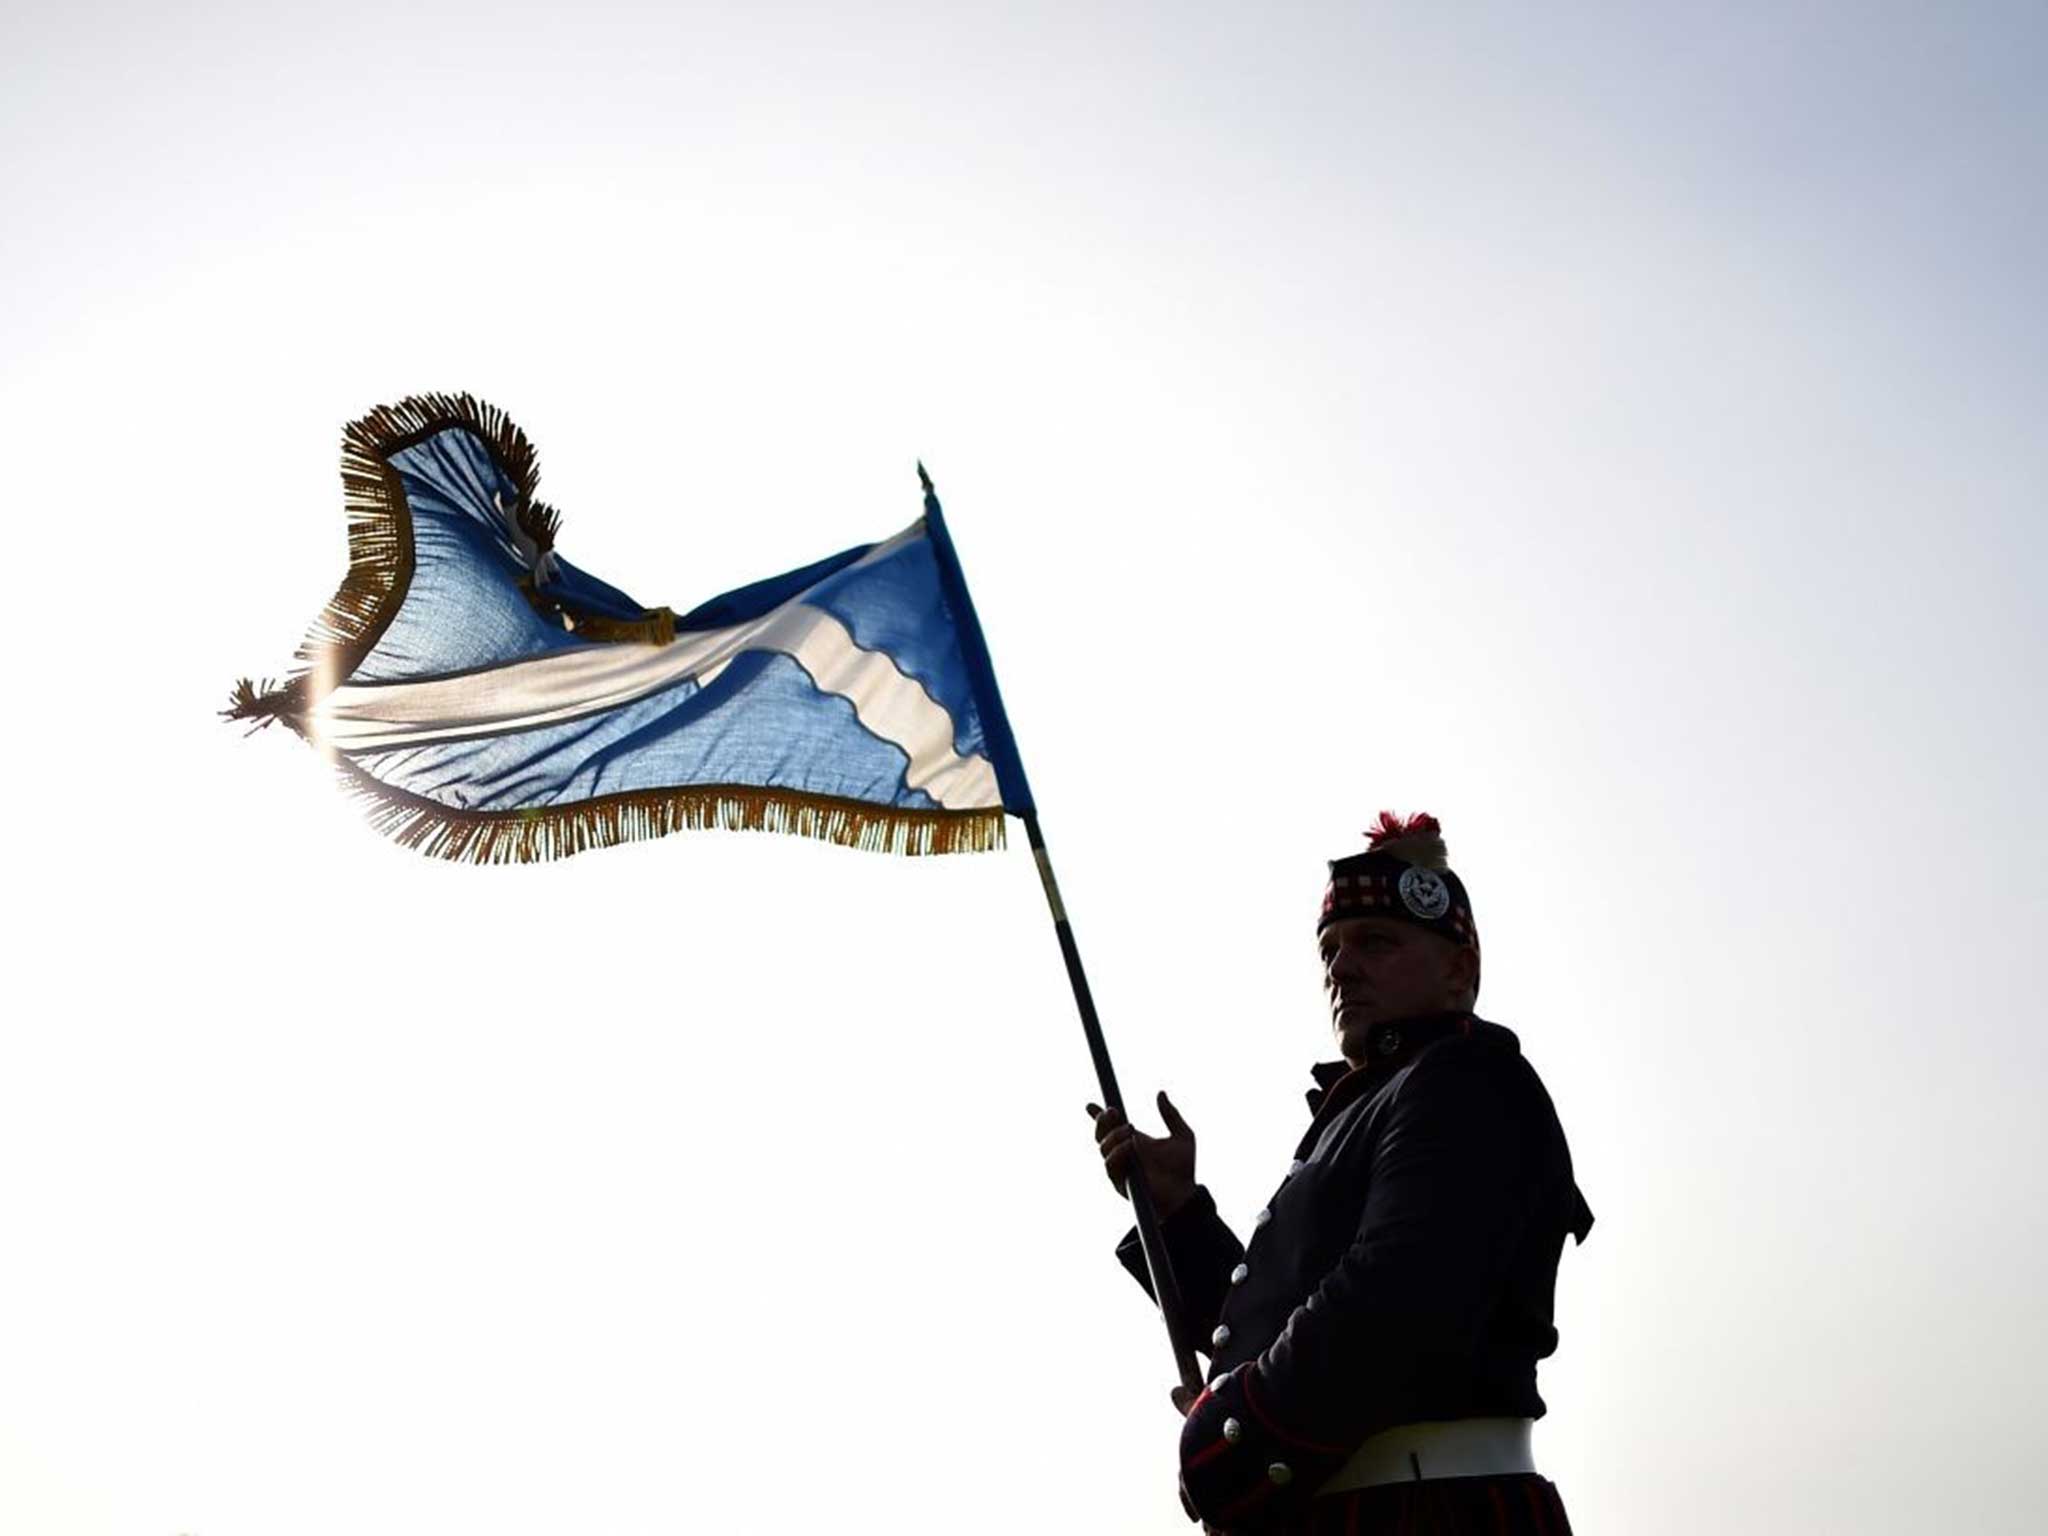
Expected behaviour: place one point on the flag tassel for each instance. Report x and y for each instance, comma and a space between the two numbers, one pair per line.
266, 703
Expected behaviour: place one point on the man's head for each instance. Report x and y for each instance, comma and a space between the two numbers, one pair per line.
1396, 934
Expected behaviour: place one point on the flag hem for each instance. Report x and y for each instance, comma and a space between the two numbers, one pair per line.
1002, 741
536, 834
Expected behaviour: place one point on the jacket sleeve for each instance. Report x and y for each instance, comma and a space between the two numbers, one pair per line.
1454, 1186
1202, 1251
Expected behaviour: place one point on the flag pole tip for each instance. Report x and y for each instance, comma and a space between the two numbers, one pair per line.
924, 479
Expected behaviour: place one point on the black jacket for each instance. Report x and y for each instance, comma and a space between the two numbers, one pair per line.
1403, 1270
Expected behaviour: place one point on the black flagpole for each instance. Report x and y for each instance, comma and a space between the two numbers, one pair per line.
1156, 1261
1018, 802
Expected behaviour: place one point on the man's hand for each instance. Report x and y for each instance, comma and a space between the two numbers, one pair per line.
1168, 1161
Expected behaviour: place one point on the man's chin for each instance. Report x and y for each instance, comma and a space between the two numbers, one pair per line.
1351, 1028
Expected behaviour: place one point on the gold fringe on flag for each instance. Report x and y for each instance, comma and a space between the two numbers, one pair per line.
556, 832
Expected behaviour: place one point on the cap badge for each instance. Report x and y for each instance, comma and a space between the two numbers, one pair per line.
1424, 893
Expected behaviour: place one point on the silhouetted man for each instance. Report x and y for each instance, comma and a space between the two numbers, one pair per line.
1373, 1349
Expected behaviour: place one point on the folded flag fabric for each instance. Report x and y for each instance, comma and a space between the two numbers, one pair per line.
491, 702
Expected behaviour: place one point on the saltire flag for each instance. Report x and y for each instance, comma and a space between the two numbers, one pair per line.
491, 702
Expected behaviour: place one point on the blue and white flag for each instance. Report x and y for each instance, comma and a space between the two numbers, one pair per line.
491, 702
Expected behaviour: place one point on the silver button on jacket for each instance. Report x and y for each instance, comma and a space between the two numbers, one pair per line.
1221, 1336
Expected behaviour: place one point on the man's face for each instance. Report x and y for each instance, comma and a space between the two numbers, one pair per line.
1377, 968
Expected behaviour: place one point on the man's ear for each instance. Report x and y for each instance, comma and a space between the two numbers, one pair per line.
1464, 971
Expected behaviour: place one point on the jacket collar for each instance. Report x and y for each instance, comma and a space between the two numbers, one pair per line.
1391, 1045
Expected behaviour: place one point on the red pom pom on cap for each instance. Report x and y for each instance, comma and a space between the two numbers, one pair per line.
1391, 826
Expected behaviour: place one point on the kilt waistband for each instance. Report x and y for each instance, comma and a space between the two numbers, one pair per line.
1442, 1448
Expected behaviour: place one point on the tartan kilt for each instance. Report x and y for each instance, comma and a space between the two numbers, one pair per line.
1524, 1504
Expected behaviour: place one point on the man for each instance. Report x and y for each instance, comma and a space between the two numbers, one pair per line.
1373, 1351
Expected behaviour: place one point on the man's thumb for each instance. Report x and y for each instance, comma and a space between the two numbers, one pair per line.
1175, 1126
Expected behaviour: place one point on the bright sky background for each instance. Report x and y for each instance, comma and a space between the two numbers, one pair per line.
1618, 430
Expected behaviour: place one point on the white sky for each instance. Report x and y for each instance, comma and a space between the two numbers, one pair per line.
1618, 430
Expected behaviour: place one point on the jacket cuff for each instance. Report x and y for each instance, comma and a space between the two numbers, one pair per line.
1239, 1469
1190, 1218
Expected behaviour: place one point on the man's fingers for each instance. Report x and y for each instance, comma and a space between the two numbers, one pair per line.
1118, 1143
1119, 1153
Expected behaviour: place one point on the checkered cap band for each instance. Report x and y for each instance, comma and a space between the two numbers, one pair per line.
1369, 885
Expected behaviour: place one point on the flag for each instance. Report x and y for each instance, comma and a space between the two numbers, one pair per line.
491, 702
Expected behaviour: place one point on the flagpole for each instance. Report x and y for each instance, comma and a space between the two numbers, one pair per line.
1164, 1287
1016, 795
